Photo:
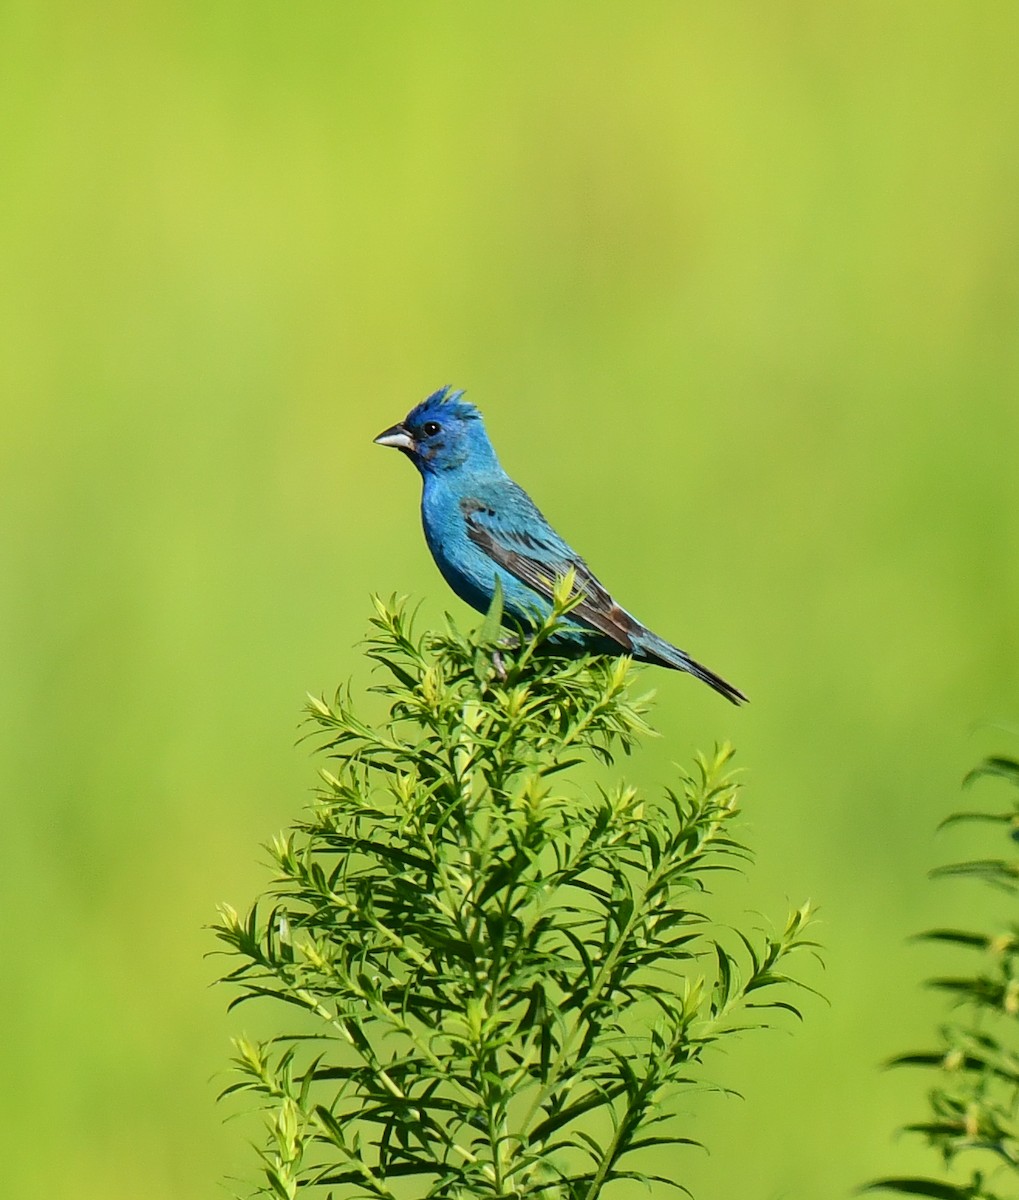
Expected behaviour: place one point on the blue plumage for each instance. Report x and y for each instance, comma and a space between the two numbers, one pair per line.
480, 526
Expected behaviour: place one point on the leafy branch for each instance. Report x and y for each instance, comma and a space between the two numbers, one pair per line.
497, 978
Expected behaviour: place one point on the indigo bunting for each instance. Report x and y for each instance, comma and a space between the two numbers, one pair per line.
481, 526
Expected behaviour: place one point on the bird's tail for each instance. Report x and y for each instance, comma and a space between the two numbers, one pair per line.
653, 649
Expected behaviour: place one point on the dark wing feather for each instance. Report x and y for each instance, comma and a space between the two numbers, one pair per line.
538, 561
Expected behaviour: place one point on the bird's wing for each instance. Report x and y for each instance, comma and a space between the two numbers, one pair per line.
514, 534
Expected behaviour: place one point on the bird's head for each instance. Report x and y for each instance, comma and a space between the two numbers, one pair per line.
442, 433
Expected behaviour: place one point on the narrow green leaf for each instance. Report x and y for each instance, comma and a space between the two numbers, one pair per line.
919, 1187
1002, 768
491, 628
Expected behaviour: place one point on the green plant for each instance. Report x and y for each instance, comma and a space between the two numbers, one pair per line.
974, 1100
497, 977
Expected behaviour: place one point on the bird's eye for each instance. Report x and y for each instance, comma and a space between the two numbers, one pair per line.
430, 428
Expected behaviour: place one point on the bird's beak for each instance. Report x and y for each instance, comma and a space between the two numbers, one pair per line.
398, 437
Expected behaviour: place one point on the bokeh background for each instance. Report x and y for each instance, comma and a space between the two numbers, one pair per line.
737, 287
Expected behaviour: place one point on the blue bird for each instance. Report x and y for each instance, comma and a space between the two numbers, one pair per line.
481, 527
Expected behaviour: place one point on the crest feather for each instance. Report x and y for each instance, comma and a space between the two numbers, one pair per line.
447, 399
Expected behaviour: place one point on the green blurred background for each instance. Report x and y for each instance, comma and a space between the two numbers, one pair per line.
737, 287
